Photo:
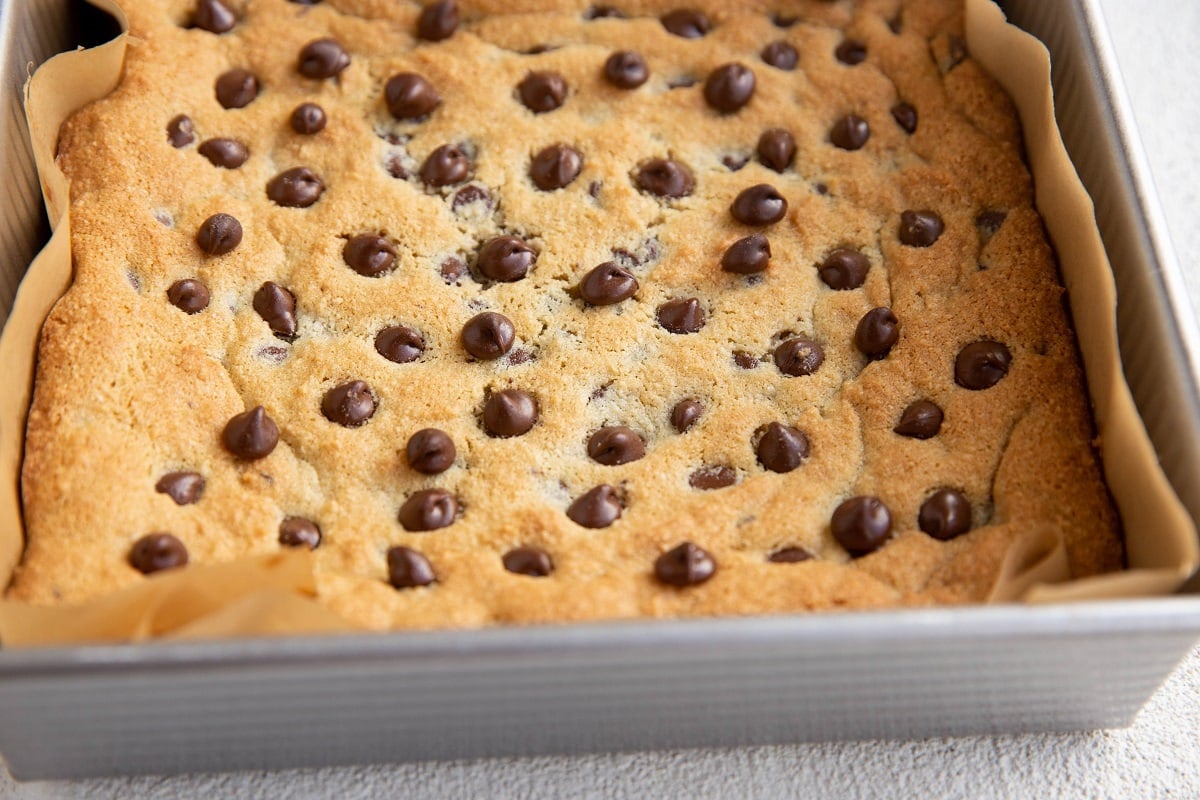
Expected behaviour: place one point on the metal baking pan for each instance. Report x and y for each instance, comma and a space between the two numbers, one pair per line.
271, 703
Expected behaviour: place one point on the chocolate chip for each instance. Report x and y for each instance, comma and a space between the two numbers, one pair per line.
905, 116
488, 336
861, 524
615, 445
430, 451
603, 12
920, 228
157, 551
349, 404
399, 344
307, 119
681, 316
396, 167
213, 16
981, 365
452, 269
776, 149
219, 234
428, 510
597, 508
408, 568
850, 132
665, 178
277, 306
745, 360
877, 332
844, 269
781, 448
607, 284
511, 412
988, 224
799, 356
251, 435
227, 153
626, 69
761, 204
299, 532
236, 88
781, 55
542, 91
729, 87
297, 187
505, 259
712, 477
747, 255
529, 561
922, 419
851, 52
684, 414
180, 131
322, 58
369, 255
446, 165
188, 295
555, 167
438, 21
471, 194
685, 565
790, 555
687, 22
184, 488
409, 96
945, 514
734, 162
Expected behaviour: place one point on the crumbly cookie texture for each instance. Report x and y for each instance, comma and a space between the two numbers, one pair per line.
538, 310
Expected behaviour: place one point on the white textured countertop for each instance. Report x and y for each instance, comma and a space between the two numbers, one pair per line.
1158, 757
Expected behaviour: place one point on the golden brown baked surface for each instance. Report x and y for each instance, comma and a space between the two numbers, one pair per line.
628, 286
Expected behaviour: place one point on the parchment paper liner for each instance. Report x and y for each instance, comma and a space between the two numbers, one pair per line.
274, 594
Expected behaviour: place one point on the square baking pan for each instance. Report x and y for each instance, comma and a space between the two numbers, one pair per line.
272, 703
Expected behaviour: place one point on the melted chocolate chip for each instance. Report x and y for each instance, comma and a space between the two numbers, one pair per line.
761, 204
988, 224
781, 55
981, 365
685, 565
905, 116
665, 178
920, 228
729, 87
251, 435
745, 360
626, 69
213, 16
180, 131
349, 404
607, 284
184, 488
615, 445
844, 269
227, 153
687, 23
446, 165
782, 448
322, 58
428, 510
488, 336
307, 119
157, 551
369, 255
399, 344
776, 149
452, 269
850, 132
236, 88
799, 356
219, 234
684, 414
295, 188
430, 451
471, 194
790, 555
277, 306
511, 412
188, 295
851, 52
408, 568
712, 477
555, 167
438, 21
877, 332
945, 514
861, 524
409, 96
505, 259
597, 508
681, 316
542, 91
299, 532
530, 561
922, 419
747, 255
